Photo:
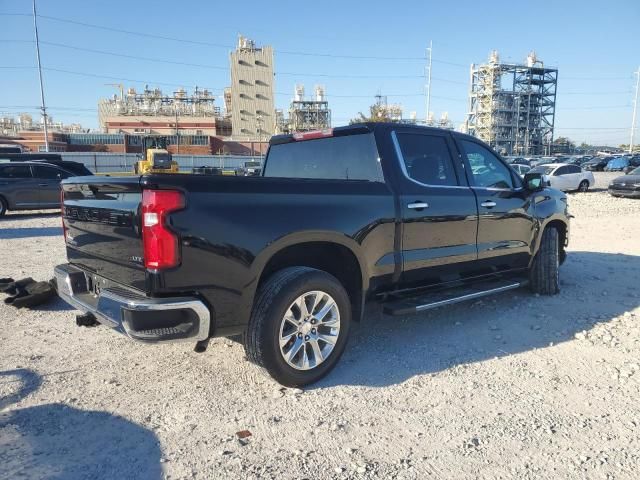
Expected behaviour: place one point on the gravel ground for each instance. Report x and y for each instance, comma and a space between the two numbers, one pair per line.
516, 386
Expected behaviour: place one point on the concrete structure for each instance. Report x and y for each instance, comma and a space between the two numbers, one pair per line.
251, 99
512, 106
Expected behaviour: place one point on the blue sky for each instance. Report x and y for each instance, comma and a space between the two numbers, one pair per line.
595, 46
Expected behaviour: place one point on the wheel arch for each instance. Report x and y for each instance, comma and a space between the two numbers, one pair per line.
337, 255
560, 224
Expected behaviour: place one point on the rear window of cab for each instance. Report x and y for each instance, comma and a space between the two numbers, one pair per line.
349, 157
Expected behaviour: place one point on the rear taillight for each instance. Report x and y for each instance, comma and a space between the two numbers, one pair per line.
64, 227
161, 248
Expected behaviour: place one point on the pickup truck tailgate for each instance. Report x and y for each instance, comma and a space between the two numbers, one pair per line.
101, 217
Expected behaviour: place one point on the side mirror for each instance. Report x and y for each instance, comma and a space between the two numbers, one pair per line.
534, 181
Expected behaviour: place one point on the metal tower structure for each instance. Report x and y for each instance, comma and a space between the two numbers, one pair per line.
512, 106
307, 115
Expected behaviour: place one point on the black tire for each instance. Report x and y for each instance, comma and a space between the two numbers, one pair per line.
584, 186
272, 301
3, 206
544, 273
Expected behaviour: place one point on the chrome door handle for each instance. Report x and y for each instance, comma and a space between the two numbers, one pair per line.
418, 205
488, 204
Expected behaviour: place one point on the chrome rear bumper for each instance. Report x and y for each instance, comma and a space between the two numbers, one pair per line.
142, 318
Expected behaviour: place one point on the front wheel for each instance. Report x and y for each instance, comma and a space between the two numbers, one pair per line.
3, 206
584, 186
544, 275
299, 325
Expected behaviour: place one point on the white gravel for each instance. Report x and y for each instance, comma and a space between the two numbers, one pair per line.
516, 386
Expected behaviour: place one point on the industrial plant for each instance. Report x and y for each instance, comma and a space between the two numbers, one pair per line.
152, 111
305, 114
512, 106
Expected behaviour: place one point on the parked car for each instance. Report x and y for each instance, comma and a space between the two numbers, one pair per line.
516, 160
596, 164
521, 169
10, 148
542, 161
617, 164
252, 168
34, 185
566, 177
411, 216
627, 185
634, 162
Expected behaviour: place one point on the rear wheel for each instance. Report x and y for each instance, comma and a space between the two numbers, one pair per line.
3, 206
584, 186
544, 275
299, 325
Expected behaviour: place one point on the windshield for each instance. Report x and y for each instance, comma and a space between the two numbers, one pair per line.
635, 171
542, 169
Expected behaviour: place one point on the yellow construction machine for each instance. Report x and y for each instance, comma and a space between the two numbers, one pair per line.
155, 156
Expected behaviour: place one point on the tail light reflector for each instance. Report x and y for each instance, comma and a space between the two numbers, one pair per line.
161, 247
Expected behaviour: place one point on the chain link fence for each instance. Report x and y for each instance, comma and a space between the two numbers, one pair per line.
99, 162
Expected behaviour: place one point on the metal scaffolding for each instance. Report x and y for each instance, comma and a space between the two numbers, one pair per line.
305, 115
512, 106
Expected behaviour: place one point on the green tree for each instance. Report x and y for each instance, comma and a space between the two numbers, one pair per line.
378, 112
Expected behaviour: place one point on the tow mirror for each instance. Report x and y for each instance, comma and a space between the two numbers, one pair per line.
534, 181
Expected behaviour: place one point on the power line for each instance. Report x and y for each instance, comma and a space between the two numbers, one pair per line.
597, 107
108, 77
228, 46
215, 67
154, 82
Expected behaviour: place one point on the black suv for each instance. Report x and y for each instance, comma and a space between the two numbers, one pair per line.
34, 183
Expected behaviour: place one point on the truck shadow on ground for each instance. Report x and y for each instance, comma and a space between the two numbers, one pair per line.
27, 215
30, 232
58, 441
384, 350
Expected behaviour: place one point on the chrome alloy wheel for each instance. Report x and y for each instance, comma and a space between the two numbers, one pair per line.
309, 330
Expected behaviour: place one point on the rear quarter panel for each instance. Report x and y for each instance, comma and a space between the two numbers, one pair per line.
232, 226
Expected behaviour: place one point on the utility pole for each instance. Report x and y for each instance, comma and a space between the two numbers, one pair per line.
259, 124
175, 108
43, 107
428, 85
635, 109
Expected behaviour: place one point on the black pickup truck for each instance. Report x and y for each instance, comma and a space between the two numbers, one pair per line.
412, 217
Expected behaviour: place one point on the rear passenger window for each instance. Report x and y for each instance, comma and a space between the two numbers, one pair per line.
351, 157
427, 159
15, 171
49, 173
